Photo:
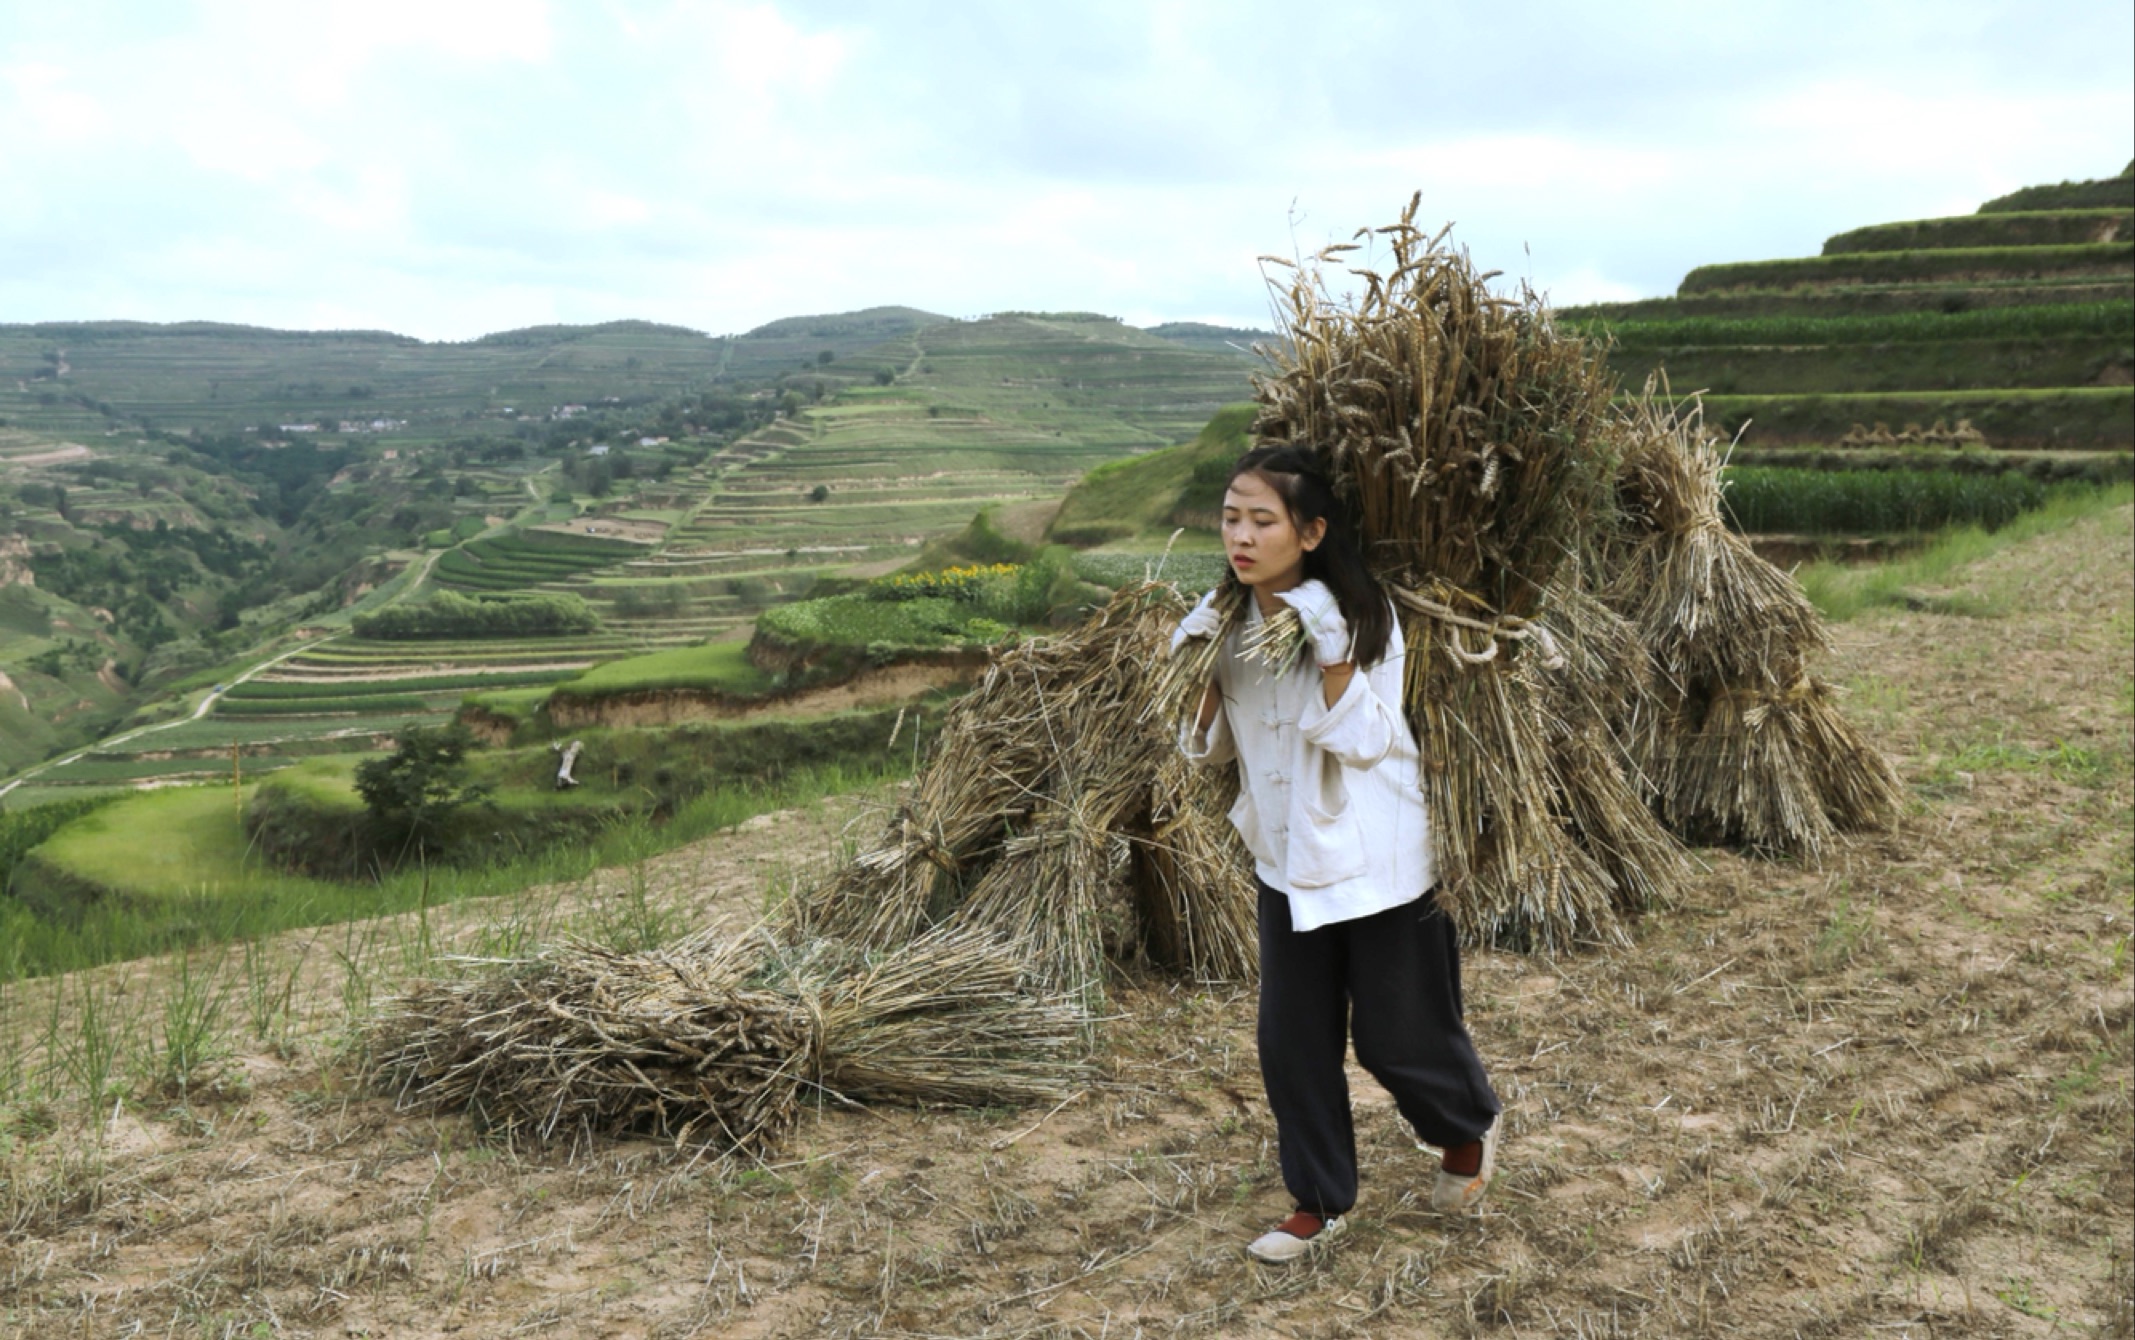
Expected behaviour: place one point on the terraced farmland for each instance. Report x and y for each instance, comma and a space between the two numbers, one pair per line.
912, 437
2011, 330
522, 558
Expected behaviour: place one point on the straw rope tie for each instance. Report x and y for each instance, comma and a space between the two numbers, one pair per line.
1505, 628
1762, 701
929, 844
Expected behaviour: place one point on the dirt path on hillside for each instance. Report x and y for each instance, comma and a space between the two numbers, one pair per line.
1886, 1096
65, 454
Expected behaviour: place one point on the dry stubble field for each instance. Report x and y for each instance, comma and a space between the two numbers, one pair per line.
1889, 1096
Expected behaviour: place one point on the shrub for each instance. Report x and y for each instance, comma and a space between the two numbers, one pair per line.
448, 614
413, 791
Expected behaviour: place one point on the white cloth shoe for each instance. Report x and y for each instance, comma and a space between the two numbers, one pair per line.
1453, 1193
1301, 1233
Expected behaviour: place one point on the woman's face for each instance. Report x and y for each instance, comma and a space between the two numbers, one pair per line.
1265, 548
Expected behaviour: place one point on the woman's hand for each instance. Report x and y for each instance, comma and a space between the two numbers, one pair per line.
1201, 621
1321, 615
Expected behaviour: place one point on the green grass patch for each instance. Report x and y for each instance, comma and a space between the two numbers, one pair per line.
23, 828
2076, 764
1126, 497
720, 667
198, 881
1843, 592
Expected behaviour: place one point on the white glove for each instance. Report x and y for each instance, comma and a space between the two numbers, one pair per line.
1321, 615
1201, 621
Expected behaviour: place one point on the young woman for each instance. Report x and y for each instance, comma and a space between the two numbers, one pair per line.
1352, 944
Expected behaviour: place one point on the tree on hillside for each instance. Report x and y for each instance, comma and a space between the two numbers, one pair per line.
414, 791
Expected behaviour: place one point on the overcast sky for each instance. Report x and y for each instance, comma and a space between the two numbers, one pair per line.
447, 168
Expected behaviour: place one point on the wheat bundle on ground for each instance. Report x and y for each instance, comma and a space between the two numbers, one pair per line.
1744, 744
721, 1042
1045, 889
585, 1041
1466, 431
1029, 810
1192, 876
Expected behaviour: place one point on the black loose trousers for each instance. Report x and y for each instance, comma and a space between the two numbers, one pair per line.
1391, 981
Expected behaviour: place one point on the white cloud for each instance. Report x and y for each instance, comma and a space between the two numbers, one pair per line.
448, 167
45, 104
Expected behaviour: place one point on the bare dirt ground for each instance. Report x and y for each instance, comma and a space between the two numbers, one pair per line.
1884, 1096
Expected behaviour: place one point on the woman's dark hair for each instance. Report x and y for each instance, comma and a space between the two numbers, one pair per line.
1296, 475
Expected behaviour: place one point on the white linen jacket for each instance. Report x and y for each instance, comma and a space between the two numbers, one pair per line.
1329, 801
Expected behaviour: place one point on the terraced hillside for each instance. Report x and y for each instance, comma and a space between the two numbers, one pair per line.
915, 436
879, 450
2011, 329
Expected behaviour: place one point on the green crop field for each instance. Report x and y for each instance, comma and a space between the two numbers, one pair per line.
1763, 500
2079, 418
2108, 321
1912, 365
1859, 300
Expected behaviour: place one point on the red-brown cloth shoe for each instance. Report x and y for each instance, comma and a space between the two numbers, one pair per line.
1302, 1232
1455, 1192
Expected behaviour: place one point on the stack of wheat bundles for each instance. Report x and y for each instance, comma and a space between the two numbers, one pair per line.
1744, 743
1051, 792
1466, 431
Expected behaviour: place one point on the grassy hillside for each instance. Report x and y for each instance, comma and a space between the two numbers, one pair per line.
1179, 486
2012, 328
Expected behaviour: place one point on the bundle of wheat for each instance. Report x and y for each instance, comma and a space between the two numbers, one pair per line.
720, 1042
1745, 744
953, 1017
585, 1041
1466, 432
1192, 876
1048, 787
1044, 887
